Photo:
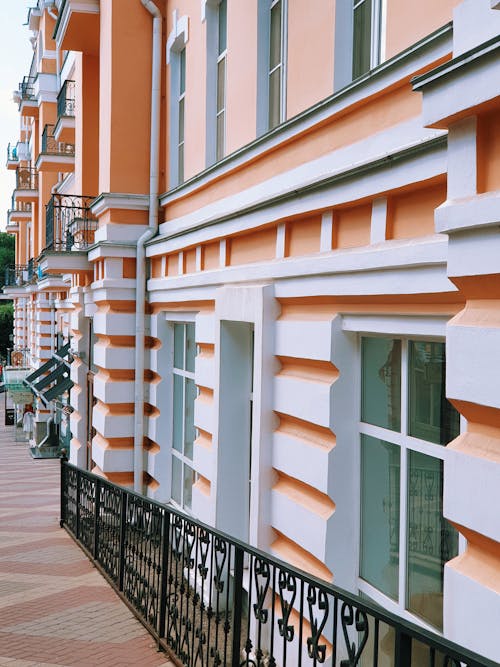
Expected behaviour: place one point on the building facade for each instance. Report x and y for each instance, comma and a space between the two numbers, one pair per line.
266, 232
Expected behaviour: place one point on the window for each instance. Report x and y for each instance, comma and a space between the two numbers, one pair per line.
180, 133
183, 431
276, 62
221, 79
405, 421
366, 36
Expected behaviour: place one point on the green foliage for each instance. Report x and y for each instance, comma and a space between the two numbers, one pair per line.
6, 320
7, 254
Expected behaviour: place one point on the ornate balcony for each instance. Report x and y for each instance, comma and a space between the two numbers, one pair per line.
25, 97
69, 231
18, 212
12, 157
55, 155
18, 277
64, 130
26, 185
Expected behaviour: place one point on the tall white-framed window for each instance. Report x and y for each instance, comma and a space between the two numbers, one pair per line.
405, 422
366, 36
221, 80
181, 116
183, 429
276, 74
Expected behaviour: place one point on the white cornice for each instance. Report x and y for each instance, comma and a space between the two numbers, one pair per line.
109, 200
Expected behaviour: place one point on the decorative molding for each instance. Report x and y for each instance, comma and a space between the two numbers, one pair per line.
179, 35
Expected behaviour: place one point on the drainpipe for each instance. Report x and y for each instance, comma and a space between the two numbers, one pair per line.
141, 251
51, 13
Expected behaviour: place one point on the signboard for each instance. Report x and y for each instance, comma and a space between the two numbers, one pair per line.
9, 417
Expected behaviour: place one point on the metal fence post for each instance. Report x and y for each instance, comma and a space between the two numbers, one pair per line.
62, 520
402, 646
78, 485
123, 525
97, 509
237, 605
165, 531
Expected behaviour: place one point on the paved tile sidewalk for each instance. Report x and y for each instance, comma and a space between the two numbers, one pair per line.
55, 608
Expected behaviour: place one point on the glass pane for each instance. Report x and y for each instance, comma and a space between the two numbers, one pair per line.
180, 164
275, 37
380, 471
182, 72
275, 98
188, 486
176, 480
430, 415
190, 347
221, 84
179, 346
221, 121
222, 26
189, 430
181, 120
431, 539
381, 382
178, 412
362, 39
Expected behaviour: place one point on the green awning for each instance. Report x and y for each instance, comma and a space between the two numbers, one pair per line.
64, 384
46, 380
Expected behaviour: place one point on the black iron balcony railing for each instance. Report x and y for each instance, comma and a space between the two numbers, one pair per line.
211, 600
69, 223
12, 153
16, 275
66, 99
27, 89
22, 206
51, 146
26, 178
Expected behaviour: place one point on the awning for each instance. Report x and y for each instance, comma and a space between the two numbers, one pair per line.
51, 379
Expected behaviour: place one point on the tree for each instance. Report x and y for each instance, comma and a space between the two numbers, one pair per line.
7, 254
6, 320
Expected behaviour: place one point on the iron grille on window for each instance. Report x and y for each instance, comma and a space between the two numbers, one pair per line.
26, 178
69, 223
52, 146
66, 99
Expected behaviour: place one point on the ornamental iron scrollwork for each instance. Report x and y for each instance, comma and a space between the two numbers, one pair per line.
316, 598
286, 583
359, 619
262, 576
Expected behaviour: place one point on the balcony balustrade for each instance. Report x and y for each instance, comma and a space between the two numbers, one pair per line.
19, 206
12, 153
27, 88
210, 599
26, 178
66, 99
69, 223
51, 146
18, 275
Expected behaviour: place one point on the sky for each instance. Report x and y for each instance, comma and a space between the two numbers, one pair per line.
15, 60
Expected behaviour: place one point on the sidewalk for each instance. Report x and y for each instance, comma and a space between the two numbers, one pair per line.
55, 608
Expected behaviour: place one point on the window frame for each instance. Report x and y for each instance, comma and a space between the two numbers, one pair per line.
405, 443
220, 138
181, 116
280, 66
172, 320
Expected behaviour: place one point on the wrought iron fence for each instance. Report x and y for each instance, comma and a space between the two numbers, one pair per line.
26, 178
51, 146
211, 600
66, 99
26, 88
69, 223
16, 275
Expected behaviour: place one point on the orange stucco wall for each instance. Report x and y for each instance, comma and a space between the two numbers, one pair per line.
87, 125
407, 22
310, 53
411, 214
303, 236
352, 226
343, 129
241, 93
488, 151
125, 73
255, 247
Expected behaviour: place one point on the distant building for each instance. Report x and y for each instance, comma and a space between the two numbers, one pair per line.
275, 264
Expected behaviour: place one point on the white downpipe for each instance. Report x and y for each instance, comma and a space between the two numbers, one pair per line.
58, 53
141, 252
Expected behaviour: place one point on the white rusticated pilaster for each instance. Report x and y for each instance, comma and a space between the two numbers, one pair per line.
180, 265
325, 243
198, 258
280, 240
78, 373
462, 162
222, 253
378, 228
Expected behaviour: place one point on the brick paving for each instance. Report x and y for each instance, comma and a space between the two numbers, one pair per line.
55, 608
